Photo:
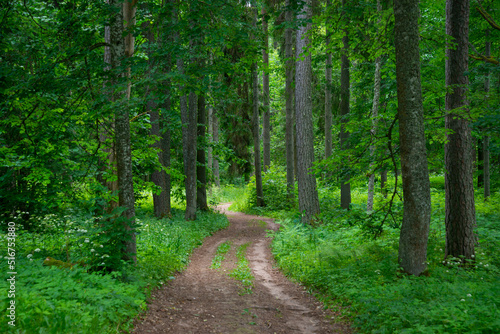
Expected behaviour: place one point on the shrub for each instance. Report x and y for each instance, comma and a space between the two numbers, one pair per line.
274, 188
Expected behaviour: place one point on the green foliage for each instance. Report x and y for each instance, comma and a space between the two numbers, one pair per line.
53, 300
220, 254
163, 246
351, 268
81, 300
225, 194
243, 273
274, 189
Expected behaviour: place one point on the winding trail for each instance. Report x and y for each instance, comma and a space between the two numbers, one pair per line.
204, 300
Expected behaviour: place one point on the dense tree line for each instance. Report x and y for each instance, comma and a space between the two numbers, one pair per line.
104, 101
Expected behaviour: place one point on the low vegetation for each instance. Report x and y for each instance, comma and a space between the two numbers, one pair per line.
243, 273
82, 297
349, 258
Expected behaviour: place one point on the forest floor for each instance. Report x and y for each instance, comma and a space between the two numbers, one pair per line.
205, 300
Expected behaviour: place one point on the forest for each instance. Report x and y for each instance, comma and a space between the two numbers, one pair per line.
369, 130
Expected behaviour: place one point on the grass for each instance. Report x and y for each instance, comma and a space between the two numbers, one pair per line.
79, 300
220, 254
243, 273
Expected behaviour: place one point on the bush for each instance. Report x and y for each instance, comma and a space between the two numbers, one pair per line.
274, 188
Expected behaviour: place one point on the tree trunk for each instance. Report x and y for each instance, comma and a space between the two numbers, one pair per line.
345, 186
215, 135
479, 163
165, 148
460, 217
189, 131
158, 176
308, 194
255, 129
383, 182
328, 92
126, 197
376, 101
289, 138
201, 168
266, 126
486, 166
210, 138
415, 174
486, 139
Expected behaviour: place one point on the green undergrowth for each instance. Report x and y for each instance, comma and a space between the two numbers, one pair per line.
220, 254
80, 300
352, 263
225, 194
243, 273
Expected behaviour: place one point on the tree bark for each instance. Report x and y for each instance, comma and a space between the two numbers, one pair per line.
160, 205
215, 135
308, 194
486, 139
376, 101
345, 93
328, 92
189, 131
201, 168
106, 128
122, 132
460, 218
383, 182
289, 117
375, 106
266, 125
415, 174
255, 129
210, 138
165, 148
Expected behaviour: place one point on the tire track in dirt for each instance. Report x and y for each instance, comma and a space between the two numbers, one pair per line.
201, 300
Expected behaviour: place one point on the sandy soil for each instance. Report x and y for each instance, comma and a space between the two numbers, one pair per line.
205, 300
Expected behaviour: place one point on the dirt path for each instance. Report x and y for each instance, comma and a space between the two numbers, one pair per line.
205, 300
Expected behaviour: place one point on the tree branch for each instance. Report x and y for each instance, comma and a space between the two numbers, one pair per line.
487, 17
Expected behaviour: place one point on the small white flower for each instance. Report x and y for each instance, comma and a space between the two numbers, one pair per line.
469, 295
447, 271
37, 250
92, 250
87, 240
486, 265
472, 256
462, 300
101, 246
29, 256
